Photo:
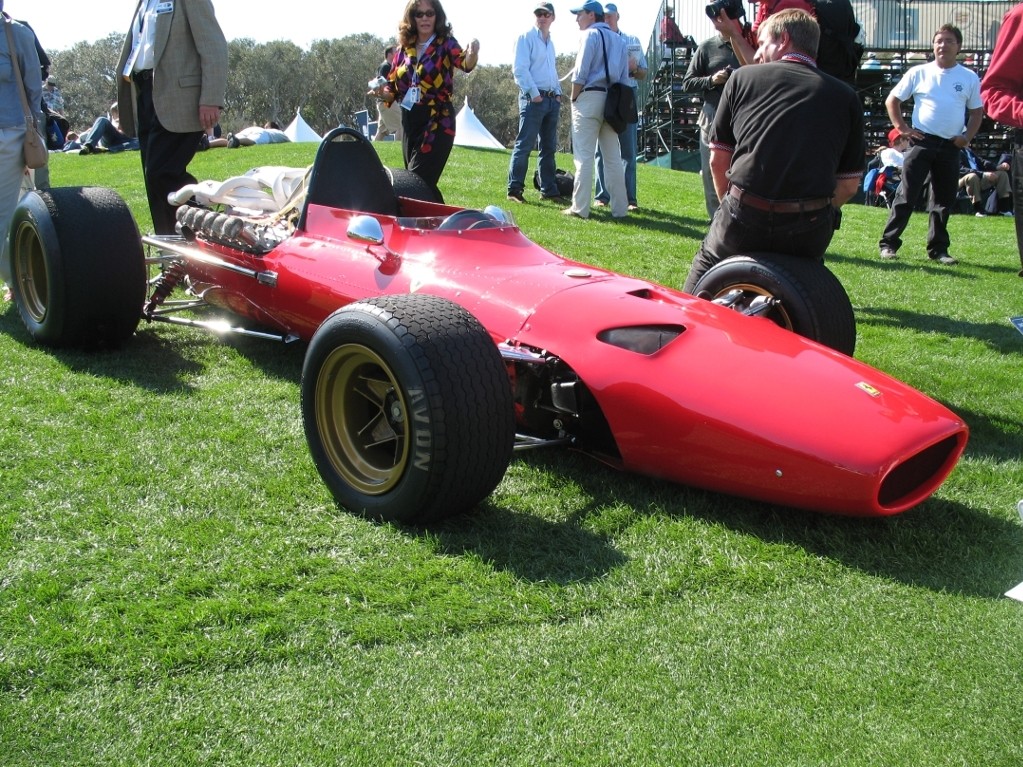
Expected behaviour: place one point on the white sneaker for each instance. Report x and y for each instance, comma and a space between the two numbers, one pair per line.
980, 215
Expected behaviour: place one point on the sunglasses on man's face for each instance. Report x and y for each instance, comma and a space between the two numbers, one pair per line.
421, 14
542, 15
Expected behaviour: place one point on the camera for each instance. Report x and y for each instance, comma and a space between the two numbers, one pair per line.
377, 82
733, 8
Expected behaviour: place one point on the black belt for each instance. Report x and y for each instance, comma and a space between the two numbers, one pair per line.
595, 88
141, 75
779, 206
932, 137
550, 94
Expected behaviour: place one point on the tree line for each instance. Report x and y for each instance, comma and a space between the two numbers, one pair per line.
274, 80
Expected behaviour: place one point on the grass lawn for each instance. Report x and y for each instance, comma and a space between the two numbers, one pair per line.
177, 587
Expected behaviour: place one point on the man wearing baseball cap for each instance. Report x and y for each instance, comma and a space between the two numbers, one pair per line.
602, 60
536, 76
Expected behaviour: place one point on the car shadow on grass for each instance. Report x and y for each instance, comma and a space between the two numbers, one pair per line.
528, 547
163, 359
1000, 337
940, 545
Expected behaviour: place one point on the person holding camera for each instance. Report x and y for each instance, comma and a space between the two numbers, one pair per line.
771, 197
709, 69
838, 50
388, 115
422, 81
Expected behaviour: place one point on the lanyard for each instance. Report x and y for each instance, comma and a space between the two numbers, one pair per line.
416, 61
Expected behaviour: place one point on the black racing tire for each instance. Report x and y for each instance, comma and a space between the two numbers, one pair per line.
407, 183
78, 272
813, 302
407, 408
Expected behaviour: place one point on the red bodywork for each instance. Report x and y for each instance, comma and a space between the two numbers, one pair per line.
733, 403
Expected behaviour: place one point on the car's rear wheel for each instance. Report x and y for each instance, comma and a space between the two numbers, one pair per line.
78, 272
409, 184
810, 299
407, 408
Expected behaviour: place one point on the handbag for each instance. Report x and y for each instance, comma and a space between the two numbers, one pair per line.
620, 105
36, 153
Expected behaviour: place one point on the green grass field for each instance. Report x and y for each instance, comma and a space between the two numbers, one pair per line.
177, 587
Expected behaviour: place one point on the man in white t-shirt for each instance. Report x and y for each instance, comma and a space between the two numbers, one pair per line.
943, 91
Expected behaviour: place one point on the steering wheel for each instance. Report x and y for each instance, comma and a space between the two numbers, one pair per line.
465, 219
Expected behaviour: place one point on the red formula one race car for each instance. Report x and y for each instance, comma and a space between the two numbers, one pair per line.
440, 339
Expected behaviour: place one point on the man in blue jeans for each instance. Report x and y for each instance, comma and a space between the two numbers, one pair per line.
539, 106
627, 138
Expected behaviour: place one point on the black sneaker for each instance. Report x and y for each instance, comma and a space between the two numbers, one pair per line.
516, 196
944, 258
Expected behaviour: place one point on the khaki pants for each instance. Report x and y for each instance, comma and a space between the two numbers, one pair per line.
976, 184
388, 121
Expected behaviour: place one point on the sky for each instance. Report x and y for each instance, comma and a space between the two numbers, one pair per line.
495, 23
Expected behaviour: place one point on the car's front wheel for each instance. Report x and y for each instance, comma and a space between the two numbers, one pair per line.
407, 408
805, 295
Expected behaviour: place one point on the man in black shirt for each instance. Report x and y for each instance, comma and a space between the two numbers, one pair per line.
777, 194
712, 63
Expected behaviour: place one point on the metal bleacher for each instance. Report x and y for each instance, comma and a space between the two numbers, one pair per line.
895, 33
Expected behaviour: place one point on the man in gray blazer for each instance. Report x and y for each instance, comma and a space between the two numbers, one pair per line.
173, 71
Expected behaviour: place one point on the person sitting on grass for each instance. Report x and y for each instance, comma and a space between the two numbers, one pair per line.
105, 135
979, 176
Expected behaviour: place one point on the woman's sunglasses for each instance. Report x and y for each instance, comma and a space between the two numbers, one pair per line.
421, 14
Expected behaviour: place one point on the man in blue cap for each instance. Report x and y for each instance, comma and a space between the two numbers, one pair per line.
536, 76
627, 138
602, 60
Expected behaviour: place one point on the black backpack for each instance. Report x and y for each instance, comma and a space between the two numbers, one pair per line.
838, 52
563, 179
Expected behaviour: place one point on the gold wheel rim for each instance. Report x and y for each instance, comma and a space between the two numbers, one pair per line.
362, 418
778, 315
29, 272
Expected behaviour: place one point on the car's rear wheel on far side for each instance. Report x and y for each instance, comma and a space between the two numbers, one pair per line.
78, 272
408, 184
407, 408
811, 300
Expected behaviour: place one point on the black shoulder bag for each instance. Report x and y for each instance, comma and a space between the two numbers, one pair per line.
620, 107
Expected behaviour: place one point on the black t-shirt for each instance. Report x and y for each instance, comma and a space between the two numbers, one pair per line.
712, 55
384, 69
792, 130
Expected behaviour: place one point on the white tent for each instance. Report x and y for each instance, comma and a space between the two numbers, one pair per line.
299, 130
469, 131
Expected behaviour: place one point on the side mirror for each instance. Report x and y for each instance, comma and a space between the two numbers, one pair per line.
366, 229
